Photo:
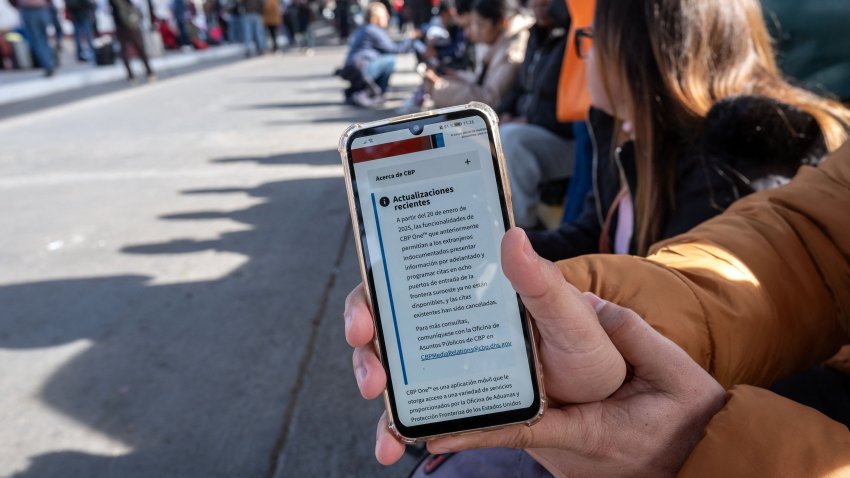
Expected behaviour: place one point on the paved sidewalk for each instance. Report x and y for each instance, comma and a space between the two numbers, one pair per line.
172, 282
17, 86
26, 85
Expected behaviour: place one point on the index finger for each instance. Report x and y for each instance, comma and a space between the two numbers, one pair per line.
359, 328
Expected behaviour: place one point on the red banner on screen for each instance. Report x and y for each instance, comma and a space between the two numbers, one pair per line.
397, 148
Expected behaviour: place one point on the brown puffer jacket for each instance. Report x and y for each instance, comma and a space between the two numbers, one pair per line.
752, 295
271, 14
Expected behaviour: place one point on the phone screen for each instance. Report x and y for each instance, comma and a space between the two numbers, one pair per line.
432, 216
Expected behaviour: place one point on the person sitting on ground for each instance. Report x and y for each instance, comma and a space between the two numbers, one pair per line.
447, 48
372, 54
682, 132
496, 24
536, 145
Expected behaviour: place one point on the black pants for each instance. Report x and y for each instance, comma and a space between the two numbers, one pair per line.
821, 388
128, 37
273, 34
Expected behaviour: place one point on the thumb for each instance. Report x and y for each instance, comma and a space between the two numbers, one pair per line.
654, 357
584, 364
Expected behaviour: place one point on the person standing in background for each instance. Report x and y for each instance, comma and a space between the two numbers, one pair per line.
252, 26
58, 32
128, 20
341, 19
272, 19
178, 9
35, 15
82, 15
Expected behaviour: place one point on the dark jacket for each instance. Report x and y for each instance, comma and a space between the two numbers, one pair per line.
748, 144
812, 44
79, 9
125, 14
535, 95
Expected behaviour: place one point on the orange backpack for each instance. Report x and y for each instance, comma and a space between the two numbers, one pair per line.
573, 95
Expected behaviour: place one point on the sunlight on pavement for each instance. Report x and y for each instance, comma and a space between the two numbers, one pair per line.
39, 427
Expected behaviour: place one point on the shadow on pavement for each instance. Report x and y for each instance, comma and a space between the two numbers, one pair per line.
200, 379
309, 157
284, 79
292, 104
347, 116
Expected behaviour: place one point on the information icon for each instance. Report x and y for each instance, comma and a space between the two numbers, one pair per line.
385, 201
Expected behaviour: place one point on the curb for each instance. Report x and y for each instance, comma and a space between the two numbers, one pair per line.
36, 88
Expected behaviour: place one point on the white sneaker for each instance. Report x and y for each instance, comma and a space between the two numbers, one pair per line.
362, 98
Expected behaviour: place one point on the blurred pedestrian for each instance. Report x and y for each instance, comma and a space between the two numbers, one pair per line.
128, 20
35, 15
82, 16
58, 32
342, 19
233, 11
252, 21
371, 58
272, 19
537, 146
178, 9
303, 16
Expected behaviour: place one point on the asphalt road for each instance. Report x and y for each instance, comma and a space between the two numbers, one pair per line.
172, 270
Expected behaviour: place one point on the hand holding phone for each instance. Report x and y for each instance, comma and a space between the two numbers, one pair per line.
579, 361
430, 203
452, 345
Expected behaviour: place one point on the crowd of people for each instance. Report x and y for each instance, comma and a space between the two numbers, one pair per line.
701, 150
31, 31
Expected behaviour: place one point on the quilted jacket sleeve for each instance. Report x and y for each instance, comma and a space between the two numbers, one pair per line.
752, 295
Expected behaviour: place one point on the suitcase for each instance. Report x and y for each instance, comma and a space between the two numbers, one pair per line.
21, 53
104, 52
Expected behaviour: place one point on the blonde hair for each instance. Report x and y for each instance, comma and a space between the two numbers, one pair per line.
677, 58
372, 9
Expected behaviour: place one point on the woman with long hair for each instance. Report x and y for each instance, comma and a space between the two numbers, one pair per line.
690, 112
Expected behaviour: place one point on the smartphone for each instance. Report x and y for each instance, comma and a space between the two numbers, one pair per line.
430, 203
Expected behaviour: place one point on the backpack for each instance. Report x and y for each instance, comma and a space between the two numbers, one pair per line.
127, 13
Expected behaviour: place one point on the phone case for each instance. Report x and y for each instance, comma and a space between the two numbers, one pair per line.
493, 121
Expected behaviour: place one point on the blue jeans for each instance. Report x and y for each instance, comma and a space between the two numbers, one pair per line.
380, 69
234, 29
582, 178
83, 33
252, 28
35, 22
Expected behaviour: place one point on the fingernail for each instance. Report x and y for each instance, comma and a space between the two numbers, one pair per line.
347, 318
595, 301
527, 249
361, 374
